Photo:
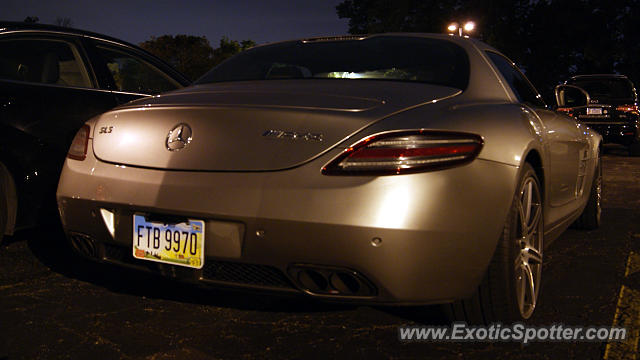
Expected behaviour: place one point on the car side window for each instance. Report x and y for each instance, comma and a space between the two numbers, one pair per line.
42, 61
518, 83
132, 74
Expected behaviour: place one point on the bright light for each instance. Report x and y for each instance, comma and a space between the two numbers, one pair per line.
469, 26
393, 208
461, 29
127, 139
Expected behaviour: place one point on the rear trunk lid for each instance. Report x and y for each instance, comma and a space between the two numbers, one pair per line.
250, 126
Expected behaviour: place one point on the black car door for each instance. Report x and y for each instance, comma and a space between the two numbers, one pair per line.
51, 82
47, 91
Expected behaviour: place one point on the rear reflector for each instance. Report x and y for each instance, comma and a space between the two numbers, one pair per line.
78, 149
402, 152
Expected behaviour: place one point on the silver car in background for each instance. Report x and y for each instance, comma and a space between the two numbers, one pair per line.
404, 169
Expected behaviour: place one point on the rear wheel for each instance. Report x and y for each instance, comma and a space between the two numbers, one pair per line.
590, 217
510, 288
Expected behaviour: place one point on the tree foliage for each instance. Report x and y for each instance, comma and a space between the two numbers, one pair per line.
228, 48
376, 16
193, 55
549, 39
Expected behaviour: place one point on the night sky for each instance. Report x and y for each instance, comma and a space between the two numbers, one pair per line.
137, 20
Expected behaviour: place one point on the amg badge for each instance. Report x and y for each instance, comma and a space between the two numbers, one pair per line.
292, 135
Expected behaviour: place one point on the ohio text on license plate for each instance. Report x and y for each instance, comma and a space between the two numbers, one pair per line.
594, 111
179, 244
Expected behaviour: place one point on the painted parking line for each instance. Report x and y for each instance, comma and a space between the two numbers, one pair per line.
633, 264
628, 316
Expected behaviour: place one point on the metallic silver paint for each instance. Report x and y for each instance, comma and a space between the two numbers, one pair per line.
437, 230
236, 124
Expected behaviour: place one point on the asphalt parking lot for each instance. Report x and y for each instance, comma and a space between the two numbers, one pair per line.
53, 305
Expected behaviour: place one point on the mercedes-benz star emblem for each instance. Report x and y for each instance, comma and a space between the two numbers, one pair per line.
179, 137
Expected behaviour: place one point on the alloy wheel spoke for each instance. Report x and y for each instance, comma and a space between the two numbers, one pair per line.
522, 217
527, 205
521, 286
526, 288
532, 286
529, 208
533, 224
532, 255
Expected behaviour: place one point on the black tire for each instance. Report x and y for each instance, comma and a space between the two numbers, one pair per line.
510, 288
590, 217
634, 149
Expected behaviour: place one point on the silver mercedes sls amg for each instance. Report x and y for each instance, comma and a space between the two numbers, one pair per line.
405, 169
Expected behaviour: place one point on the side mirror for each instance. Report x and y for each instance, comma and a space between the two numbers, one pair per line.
570, 96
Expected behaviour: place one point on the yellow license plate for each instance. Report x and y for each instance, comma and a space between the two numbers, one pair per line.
178, 244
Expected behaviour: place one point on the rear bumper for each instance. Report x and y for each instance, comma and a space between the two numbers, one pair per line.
438, 230
616, 133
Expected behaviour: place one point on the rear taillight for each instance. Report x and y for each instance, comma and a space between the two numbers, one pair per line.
627, 108
402, 152
568, 111
78, 149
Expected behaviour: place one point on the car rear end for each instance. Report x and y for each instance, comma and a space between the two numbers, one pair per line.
613, 108
416, 238
297, 185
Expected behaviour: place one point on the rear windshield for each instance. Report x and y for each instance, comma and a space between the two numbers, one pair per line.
395, 58
606, 89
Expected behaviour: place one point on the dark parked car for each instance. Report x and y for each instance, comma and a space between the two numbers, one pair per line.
52, 79
607, 104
